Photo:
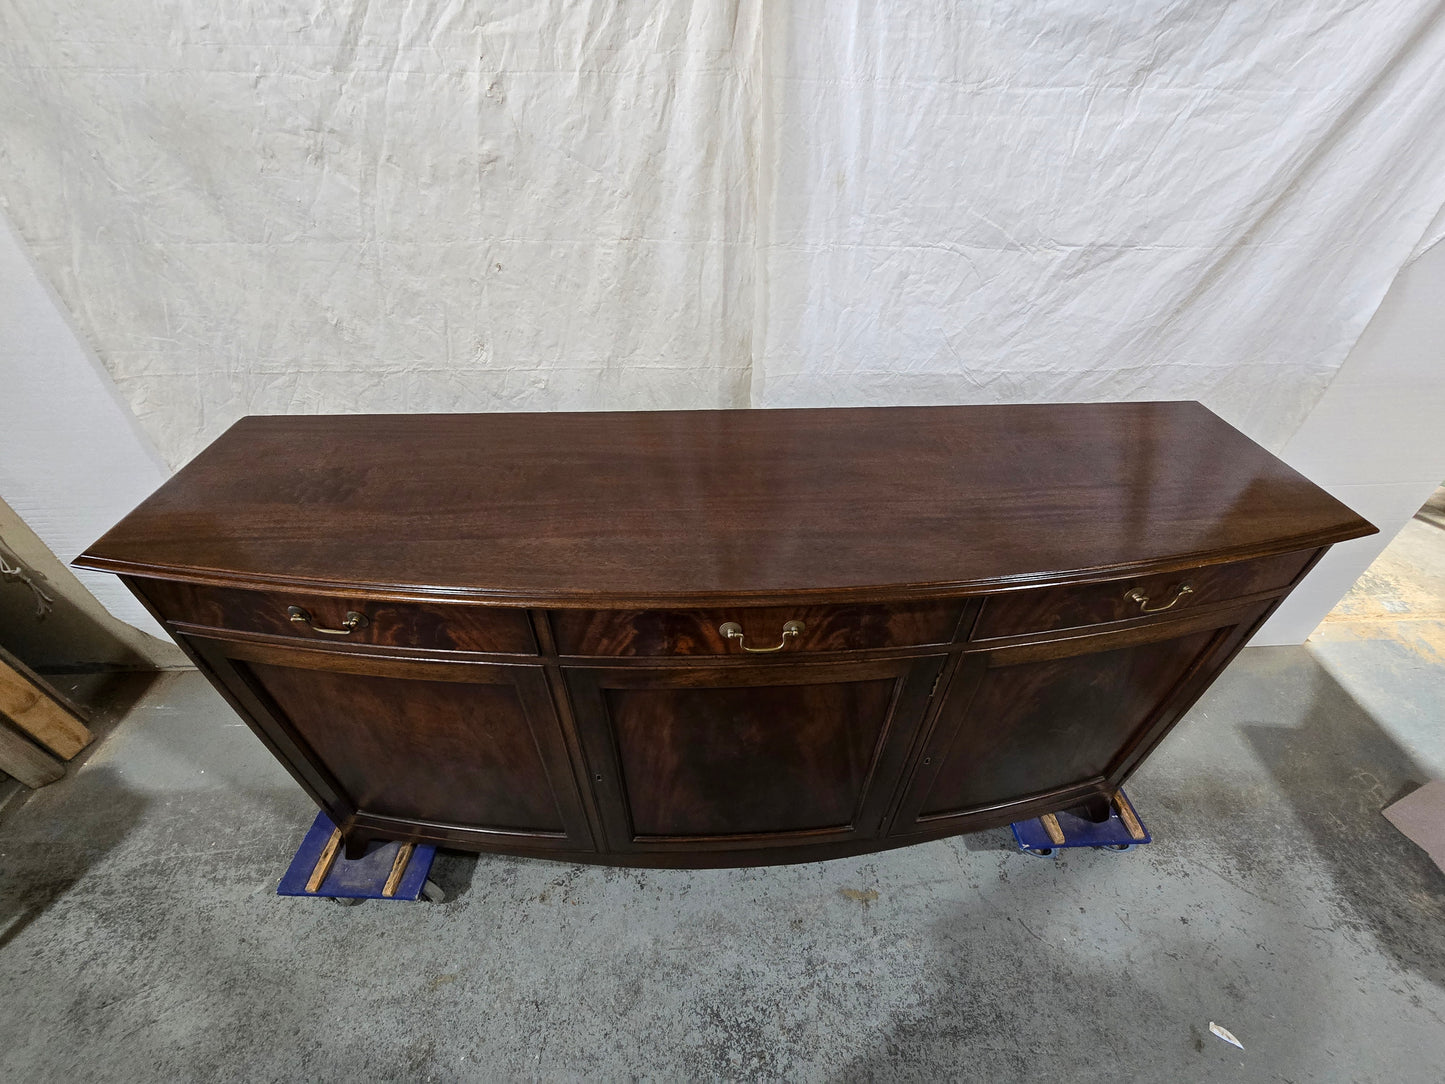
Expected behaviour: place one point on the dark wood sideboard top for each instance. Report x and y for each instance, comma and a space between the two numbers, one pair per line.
713, 506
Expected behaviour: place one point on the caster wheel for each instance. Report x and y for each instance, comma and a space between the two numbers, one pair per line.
432, 893
1118, 847
345, 901
1041, 852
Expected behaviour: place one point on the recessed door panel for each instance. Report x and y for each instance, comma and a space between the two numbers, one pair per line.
722, 761
1061, 716
1039, 726
748, 756
461, 751
427, 750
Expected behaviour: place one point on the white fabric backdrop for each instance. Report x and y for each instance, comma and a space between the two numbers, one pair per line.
453, 205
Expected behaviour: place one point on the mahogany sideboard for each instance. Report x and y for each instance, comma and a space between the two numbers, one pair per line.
719, 638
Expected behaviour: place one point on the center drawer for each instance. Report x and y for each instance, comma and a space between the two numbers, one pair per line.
435, 626
758, 631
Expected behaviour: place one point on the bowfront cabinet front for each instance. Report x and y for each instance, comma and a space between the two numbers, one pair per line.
723, 736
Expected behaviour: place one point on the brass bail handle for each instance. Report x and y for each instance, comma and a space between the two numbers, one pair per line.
353, 621
731, 630
1138, 595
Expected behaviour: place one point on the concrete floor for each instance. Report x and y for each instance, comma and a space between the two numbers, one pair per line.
142, 938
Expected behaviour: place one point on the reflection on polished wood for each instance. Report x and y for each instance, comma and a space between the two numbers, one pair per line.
719, 637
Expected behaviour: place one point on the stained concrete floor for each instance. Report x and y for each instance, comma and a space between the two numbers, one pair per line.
140, 937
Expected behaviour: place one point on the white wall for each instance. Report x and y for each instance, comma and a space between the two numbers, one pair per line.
1376, 439
72, 458
1066, 202
307, 207
318, 206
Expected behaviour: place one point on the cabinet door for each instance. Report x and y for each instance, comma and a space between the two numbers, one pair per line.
464, 752
1035, 720
736, 757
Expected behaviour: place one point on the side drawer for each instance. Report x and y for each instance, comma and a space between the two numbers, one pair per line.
698, 632
1052, 609
426, 625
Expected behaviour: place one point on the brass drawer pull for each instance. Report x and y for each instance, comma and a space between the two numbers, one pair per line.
353, 621
731, 630
1138, 595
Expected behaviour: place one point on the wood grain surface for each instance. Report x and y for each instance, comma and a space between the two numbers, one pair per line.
696, 632
717, 506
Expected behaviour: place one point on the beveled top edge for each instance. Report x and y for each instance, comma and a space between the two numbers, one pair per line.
1194, 479
962, 589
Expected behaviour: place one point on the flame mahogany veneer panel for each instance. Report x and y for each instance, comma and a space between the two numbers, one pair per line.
1096, 604
848, 627
738, 761
463, 754
427, 626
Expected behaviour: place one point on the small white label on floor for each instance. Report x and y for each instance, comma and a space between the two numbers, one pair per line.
1225, 1034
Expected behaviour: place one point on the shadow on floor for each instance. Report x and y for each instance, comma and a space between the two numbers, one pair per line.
1338, 771
1333, 769
453, 871
101, 812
